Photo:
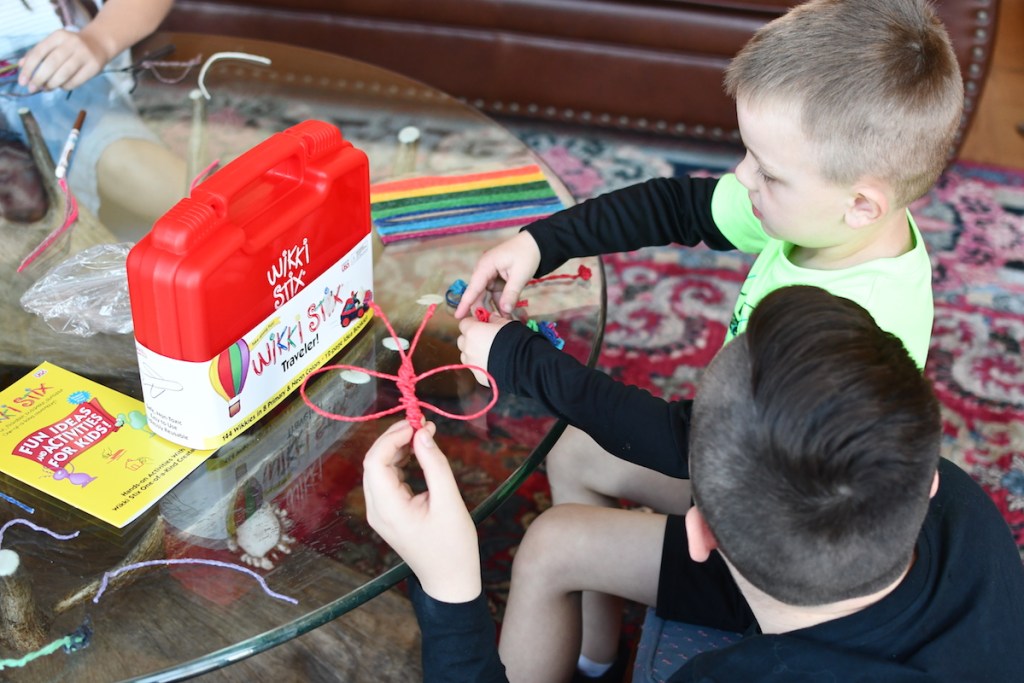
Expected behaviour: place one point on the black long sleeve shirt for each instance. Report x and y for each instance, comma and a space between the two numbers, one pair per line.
958, 615
625, 420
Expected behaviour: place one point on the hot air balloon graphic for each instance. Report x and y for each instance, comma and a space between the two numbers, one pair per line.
228, 372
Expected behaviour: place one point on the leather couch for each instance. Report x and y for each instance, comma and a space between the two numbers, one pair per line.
647, 65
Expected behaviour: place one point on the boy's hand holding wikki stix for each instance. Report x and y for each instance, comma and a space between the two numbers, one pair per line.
475, 340
506, 269
432, 531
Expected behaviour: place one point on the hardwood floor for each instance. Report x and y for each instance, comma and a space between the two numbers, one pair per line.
995, 136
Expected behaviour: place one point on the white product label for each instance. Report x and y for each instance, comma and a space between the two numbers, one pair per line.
206, 404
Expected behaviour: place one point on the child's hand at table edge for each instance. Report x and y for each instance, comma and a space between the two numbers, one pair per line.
432, 531
475, 340
63, 59
505, 268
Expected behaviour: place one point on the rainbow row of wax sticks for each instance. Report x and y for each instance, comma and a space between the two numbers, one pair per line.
444, 205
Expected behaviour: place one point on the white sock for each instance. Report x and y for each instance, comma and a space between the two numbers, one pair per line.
592, 669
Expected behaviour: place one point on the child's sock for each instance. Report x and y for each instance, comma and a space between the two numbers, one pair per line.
592, 669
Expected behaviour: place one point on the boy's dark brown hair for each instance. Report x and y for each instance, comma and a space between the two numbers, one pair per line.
875, 82
814, 445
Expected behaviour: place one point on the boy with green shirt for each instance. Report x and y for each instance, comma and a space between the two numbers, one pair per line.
847, 109
896, 290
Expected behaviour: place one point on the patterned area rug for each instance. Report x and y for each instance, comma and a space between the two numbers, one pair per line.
668, 308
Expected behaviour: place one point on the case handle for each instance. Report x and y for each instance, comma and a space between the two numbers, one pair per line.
269, 180
256, 195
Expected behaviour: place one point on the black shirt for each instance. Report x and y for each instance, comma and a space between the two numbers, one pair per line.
957, 616
626, 421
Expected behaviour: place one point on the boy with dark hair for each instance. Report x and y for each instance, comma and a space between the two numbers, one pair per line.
826, 526
834, 438
847, 109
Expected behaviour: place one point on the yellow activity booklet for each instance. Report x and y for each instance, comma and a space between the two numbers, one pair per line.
87, 445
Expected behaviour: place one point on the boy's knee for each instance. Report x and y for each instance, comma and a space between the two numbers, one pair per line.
542, 552
567, 462
561, 469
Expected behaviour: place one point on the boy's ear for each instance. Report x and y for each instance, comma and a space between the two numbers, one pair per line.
699, 539
870, 203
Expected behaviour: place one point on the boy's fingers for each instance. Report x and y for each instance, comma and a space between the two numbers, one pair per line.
398, 434
478, 374
474, 293
387, 449
384, 488
480, 377
465, 326
510, 295
398, 426
436, 469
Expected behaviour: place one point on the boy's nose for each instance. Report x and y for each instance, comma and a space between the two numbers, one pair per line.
745, 172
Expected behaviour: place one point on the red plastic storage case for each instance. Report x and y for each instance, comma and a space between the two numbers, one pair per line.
257, 278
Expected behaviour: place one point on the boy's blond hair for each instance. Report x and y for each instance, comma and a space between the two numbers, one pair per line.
876, 83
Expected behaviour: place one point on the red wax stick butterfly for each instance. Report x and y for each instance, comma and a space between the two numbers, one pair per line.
406, 380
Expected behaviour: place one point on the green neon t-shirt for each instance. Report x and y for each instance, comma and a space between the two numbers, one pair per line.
897, 292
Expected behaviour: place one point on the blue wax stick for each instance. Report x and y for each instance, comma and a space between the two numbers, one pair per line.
30, 510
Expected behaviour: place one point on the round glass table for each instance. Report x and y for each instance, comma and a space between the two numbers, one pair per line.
282, 499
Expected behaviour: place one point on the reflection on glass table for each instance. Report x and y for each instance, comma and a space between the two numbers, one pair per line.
282, 500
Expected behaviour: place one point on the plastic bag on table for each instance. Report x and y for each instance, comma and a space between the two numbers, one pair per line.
86, 294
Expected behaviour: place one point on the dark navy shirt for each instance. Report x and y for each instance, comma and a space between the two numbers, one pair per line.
957, 616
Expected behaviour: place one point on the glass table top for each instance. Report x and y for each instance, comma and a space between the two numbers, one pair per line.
283, 499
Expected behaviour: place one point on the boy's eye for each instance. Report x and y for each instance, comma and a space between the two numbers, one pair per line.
764, 176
